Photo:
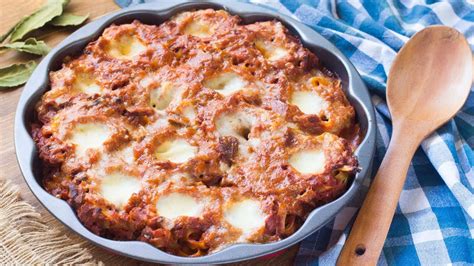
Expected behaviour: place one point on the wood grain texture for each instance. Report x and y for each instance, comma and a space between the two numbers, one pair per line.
10, 13
426, 87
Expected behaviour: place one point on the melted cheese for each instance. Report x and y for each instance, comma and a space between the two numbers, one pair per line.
189, 113
309, 102
237, 124
174, 205
161, 97
199, 29
245, 215
146, 81
271, 51
127, 47
176, 151
86, 84
180, 178
89, 136
117, 188
308, 161
226, 83
127, 155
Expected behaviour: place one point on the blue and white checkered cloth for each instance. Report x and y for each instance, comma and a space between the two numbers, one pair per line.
434, 220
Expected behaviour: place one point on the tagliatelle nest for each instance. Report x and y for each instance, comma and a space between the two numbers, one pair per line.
195, 134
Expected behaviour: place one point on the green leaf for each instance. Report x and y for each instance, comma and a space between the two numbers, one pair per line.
4, 36
17, 74
68, 19
38, 19
64, 2
31, 45
9, 32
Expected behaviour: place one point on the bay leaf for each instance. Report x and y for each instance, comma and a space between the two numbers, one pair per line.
9, 32
31, 45
16, 74
4, 36
65, 2
38, 19
68, 19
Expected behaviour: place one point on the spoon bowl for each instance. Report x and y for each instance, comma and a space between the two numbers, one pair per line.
428, 83
428, 79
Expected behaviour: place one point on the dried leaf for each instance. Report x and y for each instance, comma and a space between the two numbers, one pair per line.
17, 74
68, 19
4, 36
38, 19
65, 3
31, 45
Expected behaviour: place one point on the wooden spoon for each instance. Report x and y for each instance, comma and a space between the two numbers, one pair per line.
428, 83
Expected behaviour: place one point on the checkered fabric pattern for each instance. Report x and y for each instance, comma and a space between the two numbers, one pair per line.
434, 220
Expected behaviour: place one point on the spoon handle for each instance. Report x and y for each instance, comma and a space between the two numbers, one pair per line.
370, 229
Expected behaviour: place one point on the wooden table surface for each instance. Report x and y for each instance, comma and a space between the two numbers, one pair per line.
10, 13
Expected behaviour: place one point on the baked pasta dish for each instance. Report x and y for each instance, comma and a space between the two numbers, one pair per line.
195, 134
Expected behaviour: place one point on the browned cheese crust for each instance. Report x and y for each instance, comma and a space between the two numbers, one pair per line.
219, 119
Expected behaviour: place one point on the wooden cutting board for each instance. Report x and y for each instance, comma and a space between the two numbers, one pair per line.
10, 13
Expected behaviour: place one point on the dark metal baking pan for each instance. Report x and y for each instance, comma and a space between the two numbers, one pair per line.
156, 13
